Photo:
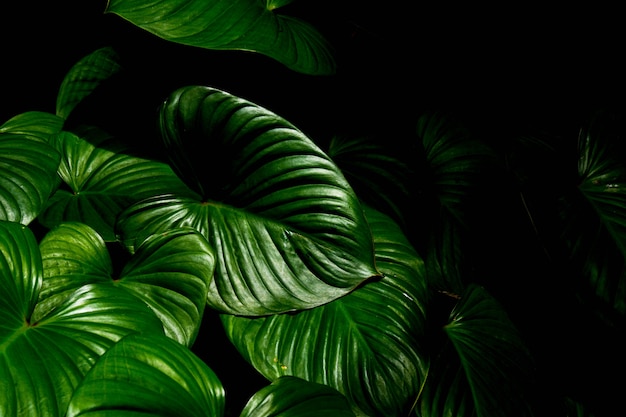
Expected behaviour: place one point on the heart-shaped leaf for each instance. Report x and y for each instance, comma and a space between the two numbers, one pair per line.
368, 345
294, 397
248, 25
84, 77
152, 376
288, 230
169, 272
42, 362
101, 181
487, 355
28, 166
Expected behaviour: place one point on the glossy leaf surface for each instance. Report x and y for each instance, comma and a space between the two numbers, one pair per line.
100, 181
149, 375
288, 230
42, 362
247, 25
169, 272
367, 345
28, 166
294, 397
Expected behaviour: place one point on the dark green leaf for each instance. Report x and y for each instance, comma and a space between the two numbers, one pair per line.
288, 230
149, 375
248, 25
33, 123
294, 397
368, 345
84, 77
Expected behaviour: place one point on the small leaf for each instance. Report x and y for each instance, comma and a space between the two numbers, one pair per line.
152, 376
84, 77
294, 397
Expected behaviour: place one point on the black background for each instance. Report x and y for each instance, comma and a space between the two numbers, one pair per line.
506, 67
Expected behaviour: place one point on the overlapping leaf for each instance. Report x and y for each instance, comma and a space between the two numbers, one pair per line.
152, 376
42, 362
595, 219
100, 181
28, 165
288, 230
294, 397
247, 25
84, 77
367, 345
487, 371
169, 272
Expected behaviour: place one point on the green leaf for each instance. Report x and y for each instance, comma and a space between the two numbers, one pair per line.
101, 181
28, 166
294, 397
169, 273
84, 77
149, 375
33, 123
248, 25
288, 230
594, 217
487, 356
378, 177
368, 345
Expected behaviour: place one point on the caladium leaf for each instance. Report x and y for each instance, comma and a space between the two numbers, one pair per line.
148, 375
288, 230
28, 166
487, 355
289, 396
168, 272
247, 25
368, 345
42, 361
84, 77
100, 181
594, 217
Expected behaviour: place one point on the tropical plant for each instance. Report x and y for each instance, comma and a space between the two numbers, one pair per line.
176, 249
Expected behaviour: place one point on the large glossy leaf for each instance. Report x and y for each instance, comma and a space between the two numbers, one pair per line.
150, 376
595, 217
487, 370
169, 272
294, 397
100, 181
367, 345
84, 77
247, 25
288, 230
42, 362
28, 166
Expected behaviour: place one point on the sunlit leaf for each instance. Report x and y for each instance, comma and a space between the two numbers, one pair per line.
288, 230
247, 25
368, 345
149, 375
33, 123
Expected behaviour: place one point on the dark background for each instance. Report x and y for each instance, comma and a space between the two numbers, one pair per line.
504, 68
